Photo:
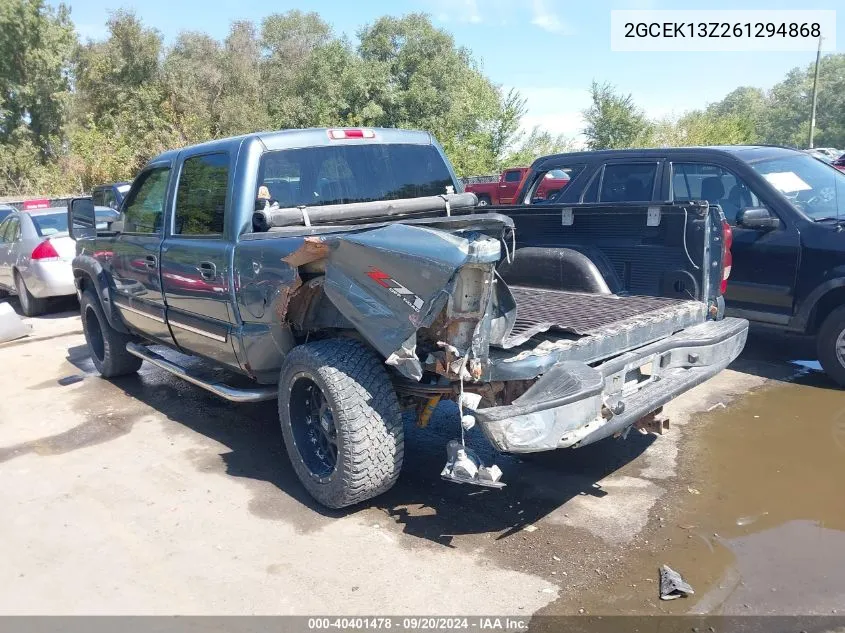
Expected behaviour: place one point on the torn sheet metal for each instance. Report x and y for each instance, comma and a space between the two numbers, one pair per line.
405, 360
391, 281
313, 248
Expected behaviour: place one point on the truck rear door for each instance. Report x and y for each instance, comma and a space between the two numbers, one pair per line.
765, 263
136, 251
195, 257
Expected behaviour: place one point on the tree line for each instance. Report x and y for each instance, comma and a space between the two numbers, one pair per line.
747, 115
75, 114
78, 113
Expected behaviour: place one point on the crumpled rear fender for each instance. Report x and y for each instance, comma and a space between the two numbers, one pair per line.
391, 281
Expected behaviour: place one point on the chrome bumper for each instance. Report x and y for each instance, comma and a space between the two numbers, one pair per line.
574, 404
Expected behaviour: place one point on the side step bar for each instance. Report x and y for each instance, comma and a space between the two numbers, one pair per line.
233, 394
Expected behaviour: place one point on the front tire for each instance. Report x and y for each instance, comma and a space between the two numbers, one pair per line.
31, 306
107, 345
341, 421
831, 345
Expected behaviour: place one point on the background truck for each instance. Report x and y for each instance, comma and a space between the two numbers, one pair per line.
335, 271
785, 208
504, 190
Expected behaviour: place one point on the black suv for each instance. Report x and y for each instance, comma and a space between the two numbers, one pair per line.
787, 211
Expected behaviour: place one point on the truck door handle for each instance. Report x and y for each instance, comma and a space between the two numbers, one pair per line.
503, 186
207, 270
151, 262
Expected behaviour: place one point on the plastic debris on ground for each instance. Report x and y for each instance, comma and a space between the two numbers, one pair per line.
672, 586
11, 325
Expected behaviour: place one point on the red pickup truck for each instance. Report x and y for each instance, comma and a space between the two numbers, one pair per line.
504, 190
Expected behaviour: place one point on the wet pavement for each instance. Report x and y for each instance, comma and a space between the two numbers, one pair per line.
145, 494
756, 520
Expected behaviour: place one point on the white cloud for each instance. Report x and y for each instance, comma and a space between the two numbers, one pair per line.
545, 18
465, 11
556, 109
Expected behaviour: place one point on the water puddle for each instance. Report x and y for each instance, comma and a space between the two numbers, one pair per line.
757, 523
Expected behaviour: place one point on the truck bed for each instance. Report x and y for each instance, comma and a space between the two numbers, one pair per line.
540, 310
555, 325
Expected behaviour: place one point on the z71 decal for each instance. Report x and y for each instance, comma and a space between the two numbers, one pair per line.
386, 281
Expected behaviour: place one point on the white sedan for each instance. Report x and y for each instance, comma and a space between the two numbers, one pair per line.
35, 256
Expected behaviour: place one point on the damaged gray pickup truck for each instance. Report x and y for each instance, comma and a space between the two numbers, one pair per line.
343, 273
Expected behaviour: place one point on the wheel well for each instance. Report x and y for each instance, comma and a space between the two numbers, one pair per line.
83, 281
827, 304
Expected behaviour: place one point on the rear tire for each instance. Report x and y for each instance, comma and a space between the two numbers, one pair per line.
31, 306
341, 421
107, 345
831, 345
483, 201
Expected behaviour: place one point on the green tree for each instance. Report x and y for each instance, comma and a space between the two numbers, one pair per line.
287, 44
421, 79
703, 128
613, 120
121, 95
36, 43
537, 143
505, 131
193, 83
790, 103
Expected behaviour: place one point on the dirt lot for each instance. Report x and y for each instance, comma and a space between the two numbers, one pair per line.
146, 495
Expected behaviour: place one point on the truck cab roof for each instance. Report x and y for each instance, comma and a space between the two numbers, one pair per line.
310, 137
745, 153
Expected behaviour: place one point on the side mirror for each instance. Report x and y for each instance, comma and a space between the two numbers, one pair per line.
81, 219
757, 218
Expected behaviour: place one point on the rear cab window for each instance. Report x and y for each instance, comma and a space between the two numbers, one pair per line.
315, 176
623, 182
513, 176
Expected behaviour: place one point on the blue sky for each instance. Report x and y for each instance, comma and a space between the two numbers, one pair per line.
550, 50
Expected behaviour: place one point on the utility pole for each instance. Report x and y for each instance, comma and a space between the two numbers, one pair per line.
815, 93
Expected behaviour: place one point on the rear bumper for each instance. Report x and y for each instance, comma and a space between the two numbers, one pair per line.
574, 404
49, 279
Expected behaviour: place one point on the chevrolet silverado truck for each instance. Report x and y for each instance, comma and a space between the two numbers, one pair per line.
503, 190
344, 274
786, 212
